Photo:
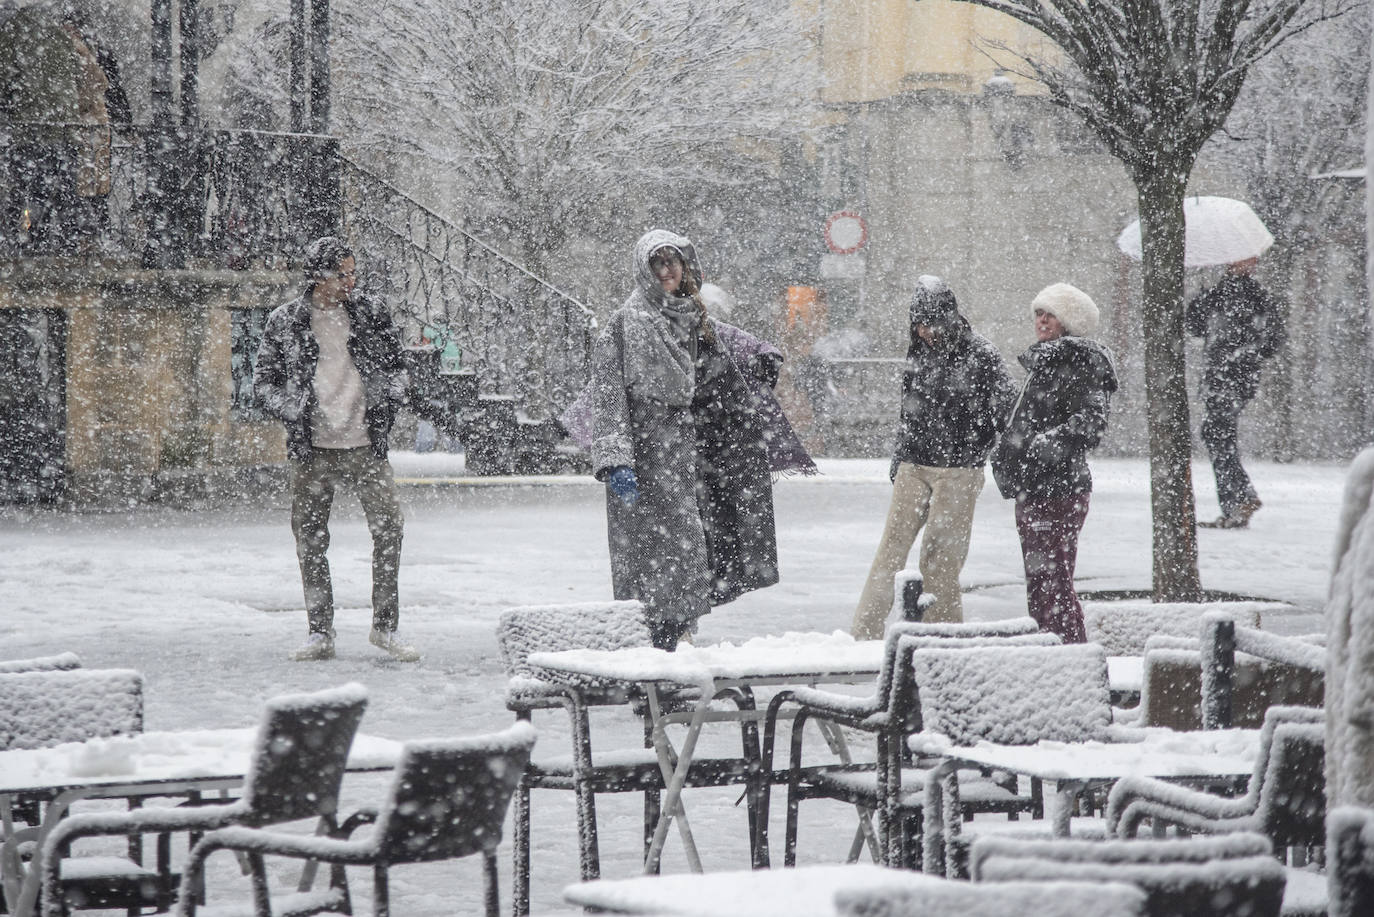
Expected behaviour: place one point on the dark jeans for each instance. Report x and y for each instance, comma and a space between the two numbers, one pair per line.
1222, 404
1049, 549
313, 487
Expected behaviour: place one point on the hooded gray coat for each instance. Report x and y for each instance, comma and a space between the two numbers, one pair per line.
675, 409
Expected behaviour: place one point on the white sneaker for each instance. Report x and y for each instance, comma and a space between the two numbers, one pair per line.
390, 641
317, 647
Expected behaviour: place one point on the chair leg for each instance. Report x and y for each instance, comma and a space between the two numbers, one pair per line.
789, 843
262, 899
381, 892
491, 889
520, 871
653, 806
586, 798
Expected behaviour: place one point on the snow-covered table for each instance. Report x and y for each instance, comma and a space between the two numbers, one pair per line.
1068, 768
807, 891
125, 767
790, 659
826, 891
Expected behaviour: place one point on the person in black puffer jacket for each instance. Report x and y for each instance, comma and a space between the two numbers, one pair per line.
1041, 459
1242, 326
956, 393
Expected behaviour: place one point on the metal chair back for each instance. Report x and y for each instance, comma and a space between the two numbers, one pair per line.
1014, 695
450, 797
300, 755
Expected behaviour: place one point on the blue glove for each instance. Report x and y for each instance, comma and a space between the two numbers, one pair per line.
622, 482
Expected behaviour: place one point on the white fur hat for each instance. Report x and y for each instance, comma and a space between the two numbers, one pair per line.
1075, 309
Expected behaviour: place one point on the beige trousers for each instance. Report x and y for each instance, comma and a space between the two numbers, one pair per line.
941, 500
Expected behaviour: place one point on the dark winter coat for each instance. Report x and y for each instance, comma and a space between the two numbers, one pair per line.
1241, 326
1061, 415
283, 377
701, 532
955, 399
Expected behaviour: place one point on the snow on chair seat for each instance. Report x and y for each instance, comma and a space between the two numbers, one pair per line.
40, 709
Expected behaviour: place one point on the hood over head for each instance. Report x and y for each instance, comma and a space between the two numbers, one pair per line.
651, 242
1075, 309
932, 302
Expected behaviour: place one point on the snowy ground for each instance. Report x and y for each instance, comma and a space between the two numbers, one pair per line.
207, 604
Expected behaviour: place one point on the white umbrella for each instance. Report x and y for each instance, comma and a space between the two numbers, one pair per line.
1221, 230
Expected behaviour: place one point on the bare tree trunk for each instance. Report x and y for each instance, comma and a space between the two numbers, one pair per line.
1176, 577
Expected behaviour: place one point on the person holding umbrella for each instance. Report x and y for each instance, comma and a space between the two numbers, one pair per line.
1241, 326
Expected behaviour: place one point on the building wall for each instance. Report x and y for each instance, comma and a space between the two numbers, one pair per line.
148, 388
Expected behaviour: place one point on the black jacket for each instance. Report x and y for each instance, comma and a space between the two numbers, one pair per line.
284, 375
955, 398
1241, 325
1060, 416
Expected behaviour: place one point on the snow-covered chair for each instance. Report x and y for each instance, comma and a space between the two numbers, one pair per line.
1181, 878
1011, 695
43, 708
890, 714
603, 626
1350, 861
47, 702
299, 757
61, 662
999, 899
1285, 800
1123, 627
1291, 672
448, 799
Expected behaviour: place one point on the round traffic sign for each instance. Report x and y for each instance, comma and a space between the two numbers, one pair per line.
845, 232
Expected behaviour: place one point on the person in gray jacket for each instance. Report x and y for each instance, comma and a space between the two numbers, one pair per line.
330, 369
956, 393
678, 440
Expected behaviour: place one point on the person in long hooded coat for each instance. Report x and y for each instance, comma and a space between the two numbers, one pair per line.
681, 447
1041, 459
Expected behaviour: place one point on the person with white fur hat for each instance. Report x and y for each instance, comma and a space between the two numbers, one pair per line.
1041, 459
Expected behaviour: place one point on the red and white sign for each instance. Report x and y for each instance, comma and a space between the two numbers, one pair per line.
845, 232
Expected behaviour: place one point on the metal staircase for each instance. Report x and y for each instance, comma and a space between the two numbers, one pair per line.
525, 345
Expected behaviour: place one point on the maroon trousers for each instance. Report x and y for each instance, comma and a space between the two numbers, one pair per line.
1049, 549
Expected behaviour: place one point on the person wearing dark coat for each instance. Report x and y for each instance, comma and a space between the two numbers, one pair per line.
330, 368
681, 448
956, 393
1041, 458
1241, 326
